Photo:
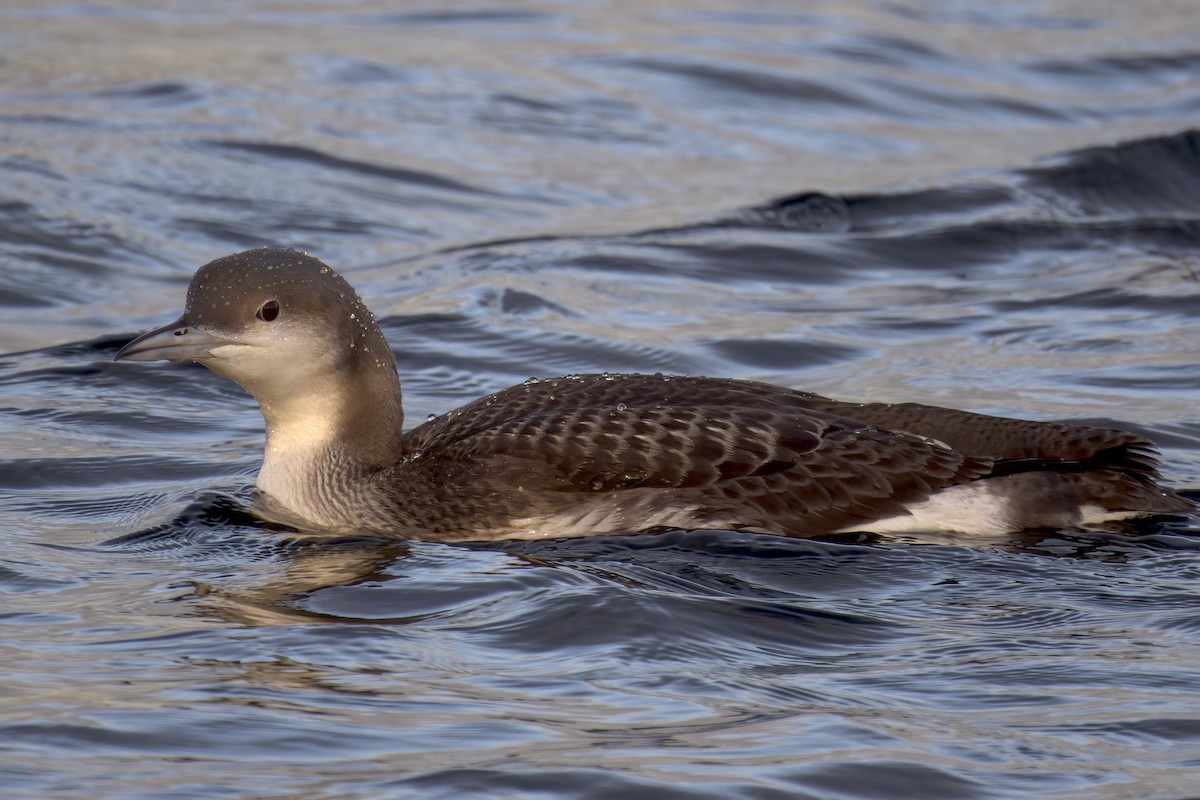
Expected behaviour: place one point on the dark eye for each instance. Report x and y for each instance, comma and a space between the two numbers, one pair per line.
268, 311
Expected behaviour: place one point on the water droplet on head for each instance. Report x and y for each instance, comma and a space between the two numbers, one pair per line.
622, 407
531, 381
596, 483
431, 418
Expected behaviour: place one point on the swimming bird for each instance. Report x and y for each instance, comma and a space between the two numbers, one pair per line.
614, 453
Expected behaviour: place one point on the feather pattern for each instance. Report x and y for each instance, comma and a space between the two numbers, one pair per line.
588, 454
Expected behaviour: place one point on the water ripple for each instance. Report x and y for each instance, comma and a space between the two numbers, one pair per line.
991, 206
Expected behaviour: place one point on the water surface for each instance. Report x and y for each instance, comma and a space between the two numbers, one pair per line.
994, 208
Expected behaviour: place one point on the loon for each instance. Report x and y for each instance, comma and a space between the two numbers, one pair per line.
614, 453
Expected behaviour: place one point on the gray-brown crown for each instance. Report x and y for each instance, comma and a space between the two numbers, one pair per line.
228, 294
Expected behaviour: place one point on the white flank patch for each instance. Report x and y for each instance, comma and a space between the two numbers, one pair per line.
608, 514
969, 508
1092, 514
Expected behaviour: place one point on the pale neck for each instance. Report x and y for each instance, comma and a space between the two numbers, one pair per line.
332, 436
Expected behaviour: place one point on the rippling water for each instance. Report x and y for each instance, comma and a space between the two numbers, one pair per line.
990, 206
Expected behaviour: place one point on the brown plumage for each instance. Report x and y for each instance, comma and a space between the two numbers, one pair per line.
592, 454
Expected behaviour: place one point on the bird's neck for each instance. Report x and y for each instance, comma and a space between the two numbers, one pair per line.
329, 439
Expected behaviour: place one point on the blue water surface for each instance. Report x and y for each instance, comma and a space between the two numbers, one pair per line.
986, 206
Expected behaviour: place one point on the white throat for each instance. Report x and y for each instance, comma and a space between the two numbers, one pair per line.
302, 436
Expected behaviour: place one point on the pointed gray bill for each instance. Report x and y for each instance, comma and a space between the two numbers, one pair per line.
177, 341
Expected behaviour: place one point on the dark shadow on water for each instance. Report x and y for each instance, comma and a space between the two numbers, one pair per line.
544, 585
210, 513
